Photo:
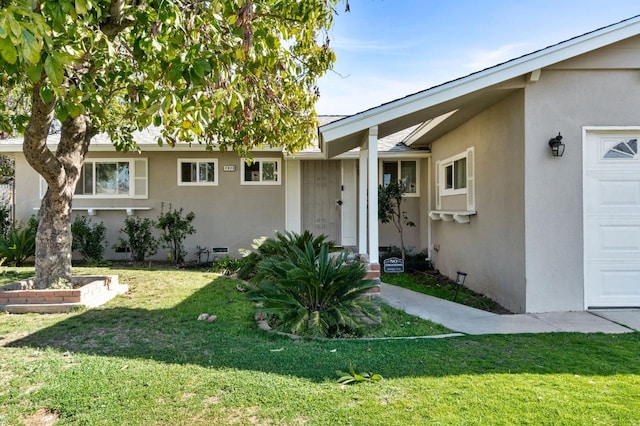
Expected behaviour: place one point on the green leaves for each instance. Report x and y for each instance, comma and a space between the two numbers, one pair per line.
353, 377
8, 50
311, 292
31, 47
54, 70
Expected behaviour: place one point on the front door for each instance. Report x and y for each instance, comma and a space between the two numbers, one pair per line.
321, 198
612, 220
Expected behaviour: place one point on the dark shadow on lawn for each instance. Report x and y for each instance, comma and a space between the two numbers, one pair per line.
233, 341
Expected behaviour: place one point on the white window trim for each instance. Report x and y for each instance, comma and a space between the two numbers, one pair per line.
398, 161
198, 161
469, 190
261, 160
133, 180
443, 167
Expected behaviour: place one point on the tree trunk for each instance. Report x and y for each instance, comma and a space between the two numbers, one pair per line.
53, 239
61, 171
397, 221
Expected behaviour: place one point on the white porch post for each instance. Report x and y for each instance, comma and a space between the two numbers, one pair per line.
373, 195
362, 200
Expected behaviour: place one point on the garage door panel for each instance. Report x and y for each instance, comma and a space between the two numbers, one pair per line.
616, 193
620, 239
620, 283
613, 239
612, 221
617, 286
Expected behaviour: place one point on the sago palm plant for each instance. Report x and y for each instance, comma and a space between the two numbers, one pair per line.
314, 293
280, 246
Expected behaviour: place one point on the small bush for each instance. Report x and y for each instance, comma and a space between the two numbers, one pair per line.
175, 229
139, 238
88, 239
5, 220
226, 265
315, 294
20, 243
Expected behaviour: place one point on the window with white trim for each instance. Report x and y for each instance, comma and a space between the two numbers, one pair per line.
625, 150
197, 172
110, 178
262, 171
455, 176
406, 171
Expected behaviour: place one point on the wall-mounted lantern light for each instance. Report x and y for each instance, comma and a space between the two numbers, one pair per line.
557, 147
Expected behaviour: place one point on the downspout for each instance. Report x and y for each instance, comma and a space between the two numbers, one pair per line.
429, 221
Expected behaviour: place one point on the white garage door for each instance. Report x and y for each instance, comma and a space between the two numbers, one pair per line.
612, 220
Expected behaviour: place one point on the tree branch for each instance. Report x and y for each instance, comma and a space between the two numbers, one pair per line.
116, 22
35, 147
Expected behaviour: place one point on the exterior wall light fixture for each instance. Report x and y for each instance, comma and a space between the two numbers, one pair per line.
557, 147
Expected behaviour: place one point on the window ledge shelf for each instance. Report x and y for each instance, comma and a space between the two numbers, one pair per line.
92, 211
460, 216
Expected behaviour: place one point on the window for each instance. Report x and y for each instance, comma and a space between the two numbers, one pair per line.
623, 150
403, 170
455, 176
110, 178
105, 179
197, 172
263, 171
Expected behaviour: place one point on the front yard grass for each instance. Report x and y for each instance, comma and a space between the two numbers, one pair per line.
144, 359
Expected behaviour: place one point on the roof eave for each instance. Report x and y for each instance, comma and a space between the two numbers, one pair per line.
357, 123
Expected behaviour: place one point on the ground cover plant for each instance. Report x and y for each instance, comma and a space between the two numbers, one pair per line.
144, 359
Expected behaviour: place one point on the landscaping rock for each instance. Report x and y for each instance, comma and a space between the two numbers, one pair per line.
212, 318
203, 317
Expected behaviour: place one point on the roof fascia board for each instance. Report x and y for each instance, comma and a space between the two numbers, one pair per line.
480, 80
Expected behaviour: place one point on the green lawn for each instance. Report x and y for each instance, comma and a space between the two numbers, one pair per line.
143, 359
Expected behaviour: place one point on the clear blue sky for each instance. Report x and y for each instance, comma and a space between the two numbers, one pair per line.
387, 49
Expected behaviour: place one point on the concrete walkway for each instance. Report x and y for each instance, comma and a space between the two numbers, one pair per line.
465, 319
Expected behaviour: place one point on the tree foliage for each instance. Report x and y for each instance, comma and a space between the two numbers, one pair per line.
235, 74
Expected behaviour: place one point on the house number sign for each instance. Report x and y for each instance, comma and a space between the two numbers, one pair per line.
229, 168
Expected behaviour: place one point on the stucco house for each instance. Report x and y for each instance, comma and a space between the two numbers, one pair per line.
534, 231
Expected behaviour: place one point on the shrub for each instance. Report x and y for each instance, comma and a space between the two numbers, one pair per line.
226, 265
5, 220
281, 246
88, 239
139, 238
20, 243
315, 294
175, 229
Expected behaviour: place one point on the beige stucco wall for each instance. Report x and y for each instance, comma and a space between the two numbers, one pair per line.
490, 249
228, 215
565, 101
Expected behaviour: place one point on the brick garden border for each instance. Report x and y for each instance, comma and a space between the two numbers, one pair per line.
88, 291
